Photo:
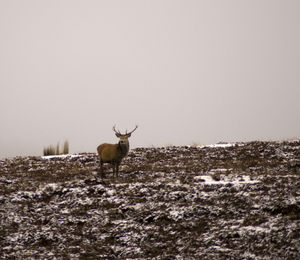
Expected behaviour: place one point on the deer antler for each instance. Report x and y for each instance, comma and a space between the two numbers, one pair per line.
119, 133
132, 130
116, 131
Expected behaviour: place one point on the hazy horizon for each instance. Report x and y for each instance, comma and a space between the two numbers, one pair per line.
184, 71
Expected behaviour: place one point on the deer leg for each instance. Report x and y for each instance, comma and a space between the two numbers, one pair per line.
117, 170
101, 168
113, 168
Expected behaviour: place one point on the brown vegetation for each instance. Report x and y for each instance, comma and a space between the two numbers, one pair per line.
51, 150
175, 202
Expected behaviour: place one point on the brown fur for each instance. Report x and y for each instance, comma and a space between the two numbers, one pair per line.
114, 153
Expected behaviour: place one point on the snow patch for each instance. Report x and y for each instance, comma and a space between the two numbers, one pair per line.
62, 156
208, 180
220, 145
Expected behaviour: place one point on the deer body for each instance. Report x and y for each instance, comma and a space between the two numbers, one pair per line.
114, 153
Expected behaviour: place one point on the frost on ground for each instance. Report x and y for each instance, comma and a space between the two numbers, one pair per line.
213, 202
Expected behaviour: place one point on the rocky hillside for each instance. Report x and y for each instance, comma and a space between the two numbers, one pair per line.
230, 201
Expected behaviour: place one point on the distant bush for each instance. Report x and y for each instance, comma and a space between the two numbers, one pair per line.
52, 150
66, 147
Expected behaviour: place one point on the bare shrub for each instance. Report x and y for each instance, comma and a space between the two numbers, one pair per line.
52, 150
66, 147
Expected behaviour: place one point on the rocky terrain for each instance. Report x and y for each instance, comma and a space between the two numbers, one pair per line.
227, 201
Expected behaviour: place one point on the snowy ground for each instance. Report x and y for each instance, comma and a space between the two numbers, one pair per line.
237, 201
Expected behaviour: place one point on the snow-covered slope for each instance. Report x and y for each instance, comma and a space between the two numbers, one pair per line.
235, 201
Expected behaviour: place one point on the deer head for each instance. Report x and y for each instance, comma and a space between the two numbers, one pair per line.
123, 137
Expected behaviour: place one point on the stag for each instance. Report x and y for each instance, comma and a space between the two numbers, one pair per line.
114, 153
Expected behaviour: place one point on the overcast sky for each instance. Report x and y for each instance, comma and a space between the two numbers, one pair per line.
185, 71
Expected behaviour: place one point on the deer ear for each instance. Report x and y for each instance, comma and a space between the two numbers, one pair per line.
128, 135
118, 135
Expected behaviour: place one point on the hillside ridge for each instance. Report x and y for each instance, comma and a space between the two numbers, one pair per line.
237, 201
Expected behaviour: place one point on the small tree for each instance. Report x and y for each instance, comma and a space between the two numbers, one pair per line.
52, 150
66, 147
57, 149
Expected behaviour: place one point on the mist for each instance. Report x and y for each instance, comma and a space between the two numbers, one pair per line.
186, 72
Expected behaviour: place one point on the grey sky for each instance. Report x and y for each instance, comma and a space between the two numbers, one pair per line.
184, 71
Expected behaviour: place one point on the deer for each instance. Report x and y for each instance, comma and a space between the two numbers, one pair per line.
114, 153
